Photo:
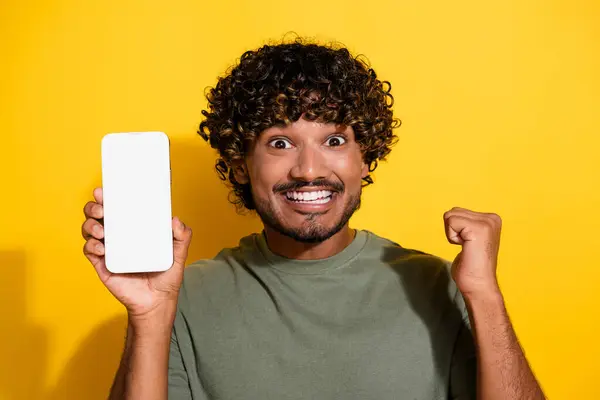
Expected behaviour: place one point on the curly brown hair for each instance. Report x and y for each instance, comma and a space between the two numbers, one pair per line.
278, 84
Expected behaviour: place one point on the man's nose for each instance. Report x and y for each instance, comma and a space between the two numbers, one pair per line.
310, 165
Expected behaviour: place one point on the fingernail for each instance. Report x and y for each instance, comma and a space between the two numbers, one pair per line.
99, 248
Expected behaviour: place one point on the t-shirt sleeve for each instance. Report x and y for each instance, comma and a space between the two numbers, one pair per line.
179, 386
463, 368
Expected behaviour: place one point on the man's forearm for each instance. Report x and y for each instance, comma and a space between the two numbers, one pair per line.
143, 370
503, 370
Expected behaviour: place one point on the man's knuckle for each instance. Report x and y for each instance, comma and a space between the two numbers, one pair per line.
487, 226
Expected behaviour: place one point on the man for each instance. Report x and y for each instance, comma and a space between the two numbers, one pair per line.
310, 308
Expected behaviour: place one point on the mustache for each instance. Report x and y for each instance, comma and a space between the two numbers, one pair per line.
324, 183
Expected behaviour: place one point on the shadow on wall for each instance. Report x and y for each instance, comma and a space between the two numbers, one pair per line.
90, 372
200, 200
21, 375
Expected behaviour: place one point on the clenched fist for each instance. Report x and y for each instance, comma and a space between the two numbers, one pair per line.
474, 269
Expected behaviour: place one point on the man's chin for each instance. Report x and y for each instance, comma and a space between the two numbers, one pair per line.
315, 233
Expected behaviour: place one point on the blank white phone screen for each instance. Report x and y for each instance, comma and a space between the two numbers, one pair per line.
136, 181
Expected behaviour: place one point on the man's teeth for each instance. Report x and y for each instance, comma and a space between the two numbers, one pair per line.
315, 197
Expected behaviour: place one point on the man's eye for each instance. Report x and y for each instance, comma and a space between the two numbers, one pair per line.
280, 144
336, 141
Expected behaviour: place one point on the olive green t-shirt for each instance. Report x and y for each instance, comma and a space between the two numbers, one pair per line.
375, 321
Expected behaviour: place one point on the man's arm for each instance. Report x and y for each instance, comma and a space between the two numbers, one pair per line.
143, 371
502, 369
151, 303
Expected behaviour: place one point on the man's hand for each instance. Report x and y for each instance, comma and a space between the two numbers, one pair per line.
142, 294
474, 269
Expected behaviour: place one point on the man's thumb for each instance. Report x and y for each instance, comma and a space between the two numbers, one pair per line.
182, 236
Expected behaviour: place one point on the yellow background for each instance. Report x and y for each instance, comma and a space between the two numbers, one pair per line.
500, 103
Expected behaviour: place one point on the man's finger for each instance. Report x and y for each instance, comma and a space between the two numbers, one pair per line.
479, 216
465, 213
99, 195
459, 229
93, 210
91, 228
94, 252
93, 247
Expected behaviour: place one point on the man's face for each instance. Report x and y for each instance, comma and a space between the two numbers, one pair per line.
306, 178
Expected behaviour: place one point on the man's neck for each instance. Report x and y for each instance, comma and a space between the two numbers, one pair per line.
287, 247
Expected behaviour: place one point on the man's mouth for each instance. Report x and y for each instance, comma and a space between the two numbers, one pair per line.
309, 197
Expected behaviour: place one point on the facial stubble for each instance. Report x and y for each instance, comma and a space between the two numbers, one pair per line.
311, 230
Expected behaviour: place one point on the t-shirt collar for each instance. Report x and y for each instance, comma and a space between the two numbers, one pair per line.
307, 267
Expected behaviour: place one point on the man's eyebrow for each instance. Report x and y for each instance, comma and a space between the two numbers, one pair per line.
278, 126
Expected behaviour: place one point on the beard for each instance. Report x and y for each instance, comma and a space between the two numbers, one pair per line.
311, 230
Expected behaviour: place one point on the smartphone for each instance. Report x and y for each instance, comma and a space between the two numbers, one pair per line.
136, 182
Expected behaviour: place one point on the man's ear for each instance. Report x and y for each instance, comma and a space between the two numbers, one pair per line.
240, 172
365, 170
